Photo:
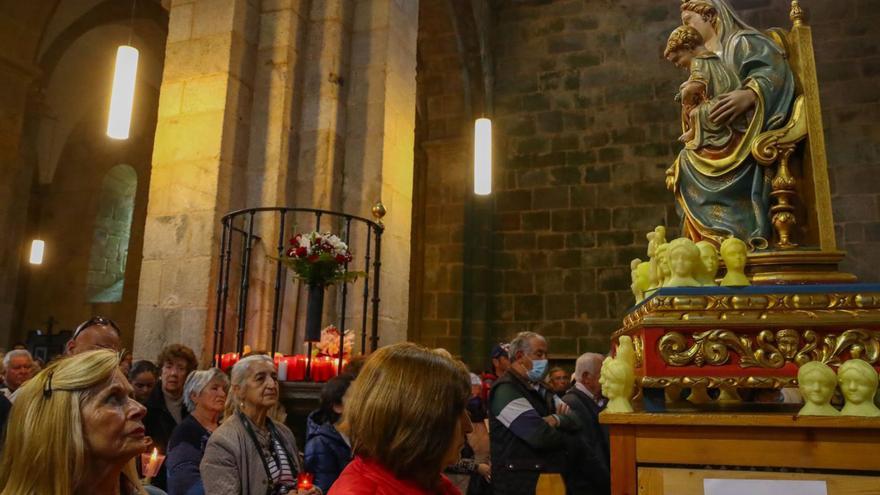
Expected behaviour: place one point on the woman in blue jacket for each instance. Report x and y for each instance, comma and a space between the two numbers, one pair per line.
327, 450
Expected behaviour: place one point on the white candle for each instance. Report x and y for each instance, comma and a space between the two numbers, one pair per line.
282, 370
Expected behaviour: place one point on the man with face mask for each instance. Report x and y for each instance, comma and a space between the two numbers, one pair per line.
529, 426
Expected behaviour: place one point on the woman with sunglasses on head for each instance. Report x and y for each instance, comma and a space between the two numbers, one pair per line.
74, 429
249, 454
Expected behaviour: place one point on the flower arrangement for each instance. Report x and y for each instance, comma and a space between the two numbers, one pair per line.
329, 344
319, 259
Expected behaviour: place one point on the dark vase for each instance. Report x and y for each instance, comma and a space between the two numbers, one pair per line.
314, 312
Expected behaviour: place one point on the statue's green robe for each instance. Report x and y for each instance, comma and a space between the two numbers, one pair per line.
723, 193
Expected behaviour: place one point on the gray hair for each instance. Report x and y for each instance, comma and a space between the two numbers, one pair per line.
14, 354
197, 381
240, 373
523, 343
588, 362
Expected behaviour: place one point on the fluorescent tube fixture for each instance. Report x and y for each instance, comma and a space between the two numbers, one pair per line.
483, 156
122, 97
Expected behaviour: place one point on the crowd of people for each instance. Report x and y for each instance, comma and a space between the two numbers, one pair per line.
405, 420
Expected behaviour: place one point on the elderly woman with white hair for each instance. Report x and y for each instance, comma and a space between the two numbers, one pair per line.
249, 453
204, 395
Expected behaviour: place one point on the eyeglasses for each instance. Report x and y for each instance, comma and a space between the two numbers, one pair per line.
93, 321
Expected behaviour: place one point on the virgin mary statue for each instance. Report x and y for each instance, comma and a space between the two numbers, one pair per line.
723, 192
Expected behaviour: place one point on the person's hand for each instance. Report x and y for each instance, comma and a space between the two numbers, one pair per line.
485, 471
551, 420
309, 491
732, 105
563, 409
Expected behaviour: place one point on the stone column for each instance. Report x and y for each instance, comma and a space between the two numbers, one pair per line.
273, 148
380, 139
274, 103
199, 156
16, 178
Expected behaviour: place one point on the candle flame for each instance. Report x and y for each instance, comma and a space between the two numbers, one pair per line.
154, 455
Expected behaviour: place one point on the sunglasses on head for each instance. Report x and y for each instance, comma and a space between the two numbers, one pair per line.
93, 321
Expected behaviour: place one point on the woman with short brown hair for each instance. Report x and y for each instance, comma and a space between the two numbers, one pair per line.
406, 417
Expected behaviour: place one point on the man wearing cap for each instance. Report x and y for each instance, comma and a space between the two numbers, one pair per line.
499, 362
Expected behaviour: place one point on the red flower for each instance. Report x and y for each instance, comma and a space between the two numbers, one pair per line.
341, 258
301, 252
313, 258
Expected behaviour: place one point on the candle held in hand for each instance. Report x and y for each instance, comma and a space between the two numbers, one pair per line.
151, 463
305, 481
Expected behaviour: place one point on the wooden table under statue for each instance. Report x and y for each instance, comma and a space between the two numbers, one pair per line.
675, 452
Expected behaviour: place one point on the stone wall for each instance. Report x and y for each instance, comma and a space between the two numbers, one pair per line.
585, 126
111, 234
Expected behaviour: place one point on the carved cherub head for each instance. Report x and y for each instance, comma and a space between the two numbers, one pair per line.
684, 257
617, 379
663, 261
817, 381
709, 259
858, 381
683, 44
733, 252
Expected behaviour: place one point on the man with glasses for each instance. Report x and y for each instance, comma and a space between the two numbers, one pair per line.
165, 409
95, 333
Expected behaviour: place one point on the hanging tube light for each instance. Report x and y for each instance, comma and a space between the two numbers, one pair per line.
483, 156
38, 247
122, 97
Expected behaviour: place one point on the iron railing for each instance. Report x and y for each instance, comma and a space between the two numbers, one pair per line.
241, 223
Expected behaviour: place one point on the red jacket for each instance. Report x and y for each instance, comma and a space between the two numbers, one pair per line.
364, 477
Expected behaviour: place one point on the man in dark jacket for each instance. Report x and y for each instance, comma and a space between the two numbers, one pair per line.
591, 473
165, 408
528, 424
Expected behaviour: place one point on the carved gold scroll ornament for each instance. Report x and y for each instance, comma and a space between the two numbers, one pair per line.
768, 349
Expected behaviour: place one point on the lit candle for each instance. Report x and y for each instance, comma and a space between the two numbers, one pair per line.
151, 463
305, 481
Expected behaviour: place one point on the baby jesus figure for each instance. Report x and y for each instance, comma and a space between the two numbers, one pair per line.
709, 79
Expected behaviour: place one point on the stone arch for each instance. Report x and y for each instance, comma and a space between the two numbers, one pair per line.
112, 232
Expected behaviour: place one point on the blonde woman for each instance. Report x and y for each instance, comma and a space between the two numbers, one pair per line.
74, 430
250, 454
405, 414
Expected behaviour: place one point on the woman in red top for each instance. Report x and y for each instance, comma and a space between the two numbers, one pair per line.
405, 415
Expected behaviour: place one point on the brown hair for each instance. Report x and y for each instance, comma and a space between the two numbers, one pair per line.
403, 409
682, 38
178, 351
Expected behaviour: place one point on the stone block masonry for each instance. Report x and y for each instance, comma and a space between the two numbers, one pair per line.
585, 126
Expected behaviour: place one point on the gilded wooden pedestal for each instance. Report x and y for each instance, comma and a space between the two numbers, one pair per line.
752, 336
